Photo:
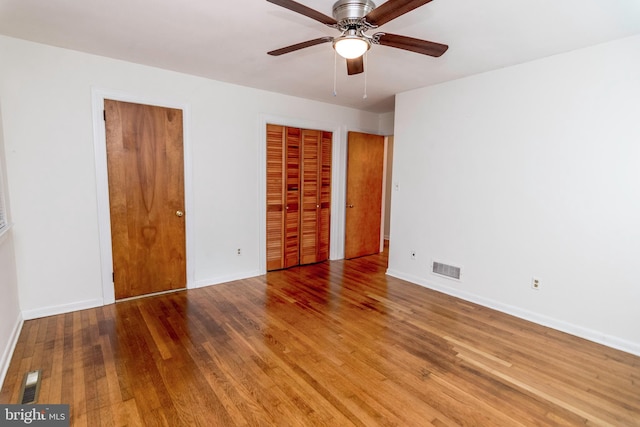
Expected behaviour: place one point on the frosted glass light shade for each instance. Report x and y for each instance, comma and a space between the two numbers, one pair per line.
351, 47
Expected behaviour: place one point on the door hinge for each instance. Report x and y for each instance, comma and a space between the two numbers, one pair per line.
104, 115
113, 277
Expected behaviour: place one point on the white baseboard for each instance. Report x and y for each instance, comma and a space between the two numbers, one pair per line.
60, 309
9, 349
579, 331
224, 279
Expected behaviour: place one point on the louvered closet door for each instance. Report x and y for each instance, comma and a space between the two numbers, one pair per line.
298, 196
324, 215
275, 197
283, 196
292, 198
316, 196
311, 142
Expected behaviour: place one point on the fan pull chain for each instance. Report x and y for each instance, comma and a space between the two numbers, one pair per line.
335, 72
366, 67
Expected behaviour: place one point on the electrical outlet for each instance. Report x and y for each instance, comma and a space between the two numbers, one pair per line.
239, 251
413, 255
536, 283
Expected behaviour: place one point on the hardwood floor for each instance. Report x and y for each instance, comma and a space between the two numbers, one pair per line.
335, 344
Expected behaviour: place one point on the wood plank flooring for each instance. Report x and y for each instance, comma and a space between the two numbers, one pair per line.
334, 344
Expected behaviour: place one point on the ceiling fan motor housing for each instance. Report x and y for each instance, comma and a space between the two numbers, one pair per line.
346, 10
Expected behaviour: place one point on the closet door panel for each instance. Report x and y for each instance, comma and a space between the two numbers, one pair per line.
311, 141
275, 197
298, 196
324, 218
292, 205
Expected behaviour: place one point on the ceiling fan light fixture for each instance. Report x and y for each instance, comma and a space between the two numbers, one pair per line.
353, 18
350, 46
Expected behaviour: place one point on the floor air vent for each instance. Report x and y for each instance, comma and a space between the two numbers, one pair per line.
446, 270
30, 388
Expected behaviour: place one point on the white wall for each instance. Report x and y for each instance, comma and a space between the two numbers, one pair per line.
46, 96
10, 316
385, 123
529, 170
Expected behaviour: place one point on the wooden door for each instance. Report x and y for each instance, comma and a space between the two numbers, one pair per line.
365, 163
324, 197
315, 196
309, 196
298, 196
146, 196
283, 196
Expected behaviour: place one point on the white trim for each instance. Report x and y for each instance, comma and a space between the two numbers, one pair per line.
7, 354
579, 331
383, 210
61, 309
226, 278
102, 183
338, 195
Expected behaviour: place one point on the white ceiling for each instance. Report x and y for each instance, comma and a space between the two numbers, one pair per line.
228, 41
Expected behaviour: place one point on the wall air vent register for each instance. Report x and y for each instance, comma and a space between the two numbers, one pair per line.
450, 271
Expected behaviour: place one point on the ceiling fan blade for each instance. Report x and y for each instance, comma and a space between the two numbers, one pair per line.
299, 46
414, 45
391, 10
355, 66
304, 10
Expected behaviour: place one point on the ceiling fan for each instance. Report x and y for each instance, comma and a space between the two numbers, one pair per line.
353, 18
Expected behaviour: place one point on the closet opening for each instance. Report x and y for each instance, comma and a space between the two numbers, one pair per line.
298, 196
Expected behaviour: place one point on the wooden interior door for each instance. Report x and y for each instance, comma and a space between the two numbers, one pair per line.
315, 195
309, 196
292, 198
283, 196
146, 195
365, 164
298, 196
324, 198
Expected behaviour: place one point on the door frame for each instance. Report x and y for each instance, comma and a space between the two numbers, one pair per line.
102, 182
